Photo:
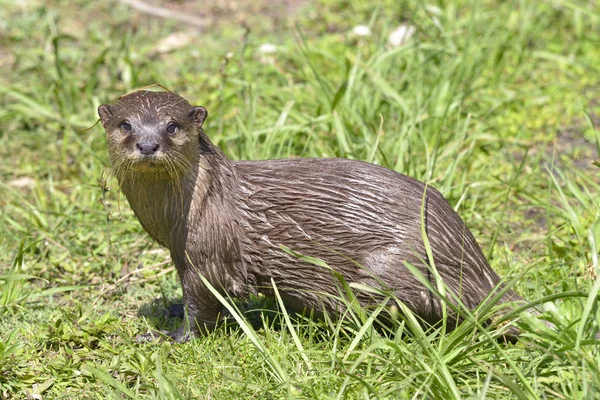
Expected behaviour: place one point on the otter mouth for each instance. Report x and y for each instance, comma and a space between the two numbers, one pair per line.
147, 166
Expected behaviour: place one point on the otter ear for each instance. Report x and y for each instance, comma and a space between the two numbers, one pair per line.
105, 113
198, 115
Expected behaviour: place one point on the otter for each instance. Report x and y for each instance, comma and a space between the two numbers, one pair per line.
231, 221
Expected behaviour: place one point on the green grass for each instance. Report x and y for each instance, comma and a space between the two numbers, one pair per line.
493, 102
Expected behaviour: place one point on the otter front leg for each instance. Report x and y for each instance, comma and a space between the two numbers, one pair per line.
196, 322
202, 310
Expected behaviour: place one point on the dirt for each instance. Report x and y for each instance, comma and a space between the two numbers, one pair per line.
571, 142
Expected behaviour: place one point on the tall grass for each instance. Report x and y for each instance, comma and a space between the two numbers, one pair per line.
494, 103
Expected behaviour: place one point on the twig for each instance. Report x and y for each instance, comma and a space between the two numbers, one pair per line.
165, 13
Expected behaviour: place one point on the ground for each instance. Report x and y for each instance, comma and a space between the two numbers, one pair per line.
495, 103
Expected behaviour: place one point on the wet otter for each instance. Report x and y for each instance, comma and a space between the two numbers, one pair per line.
227, 220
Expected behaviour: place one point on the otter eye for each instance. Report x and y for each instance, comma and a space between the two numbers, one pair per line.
172, 127
126, 126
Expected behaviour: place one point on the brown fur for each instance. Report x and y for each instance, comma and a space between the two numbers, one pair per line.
226, 220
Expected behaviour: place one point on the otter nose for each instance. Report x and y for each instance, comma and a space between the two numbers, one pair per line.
147, 147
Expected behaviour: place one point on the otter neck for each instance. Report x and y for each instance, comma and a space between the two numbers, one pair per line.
168, 204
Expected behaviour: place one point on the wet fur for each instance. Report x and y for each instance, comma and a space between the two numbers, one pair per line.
227, 220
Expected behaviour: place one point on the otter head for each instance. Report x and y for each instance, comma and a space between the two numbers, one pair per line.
152, 132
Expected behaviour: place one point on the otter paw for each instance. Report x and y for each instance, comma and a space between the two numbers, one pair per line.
181, 335
178, 335
150, 336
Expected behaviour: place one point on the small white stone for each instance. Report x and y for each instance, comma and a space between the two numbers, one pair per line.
23, 3
361, 30
402, 34
267, 48
173, 42
23, 183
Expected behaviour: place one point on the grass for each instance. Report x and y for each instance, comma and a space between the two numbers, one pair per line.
492, 102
